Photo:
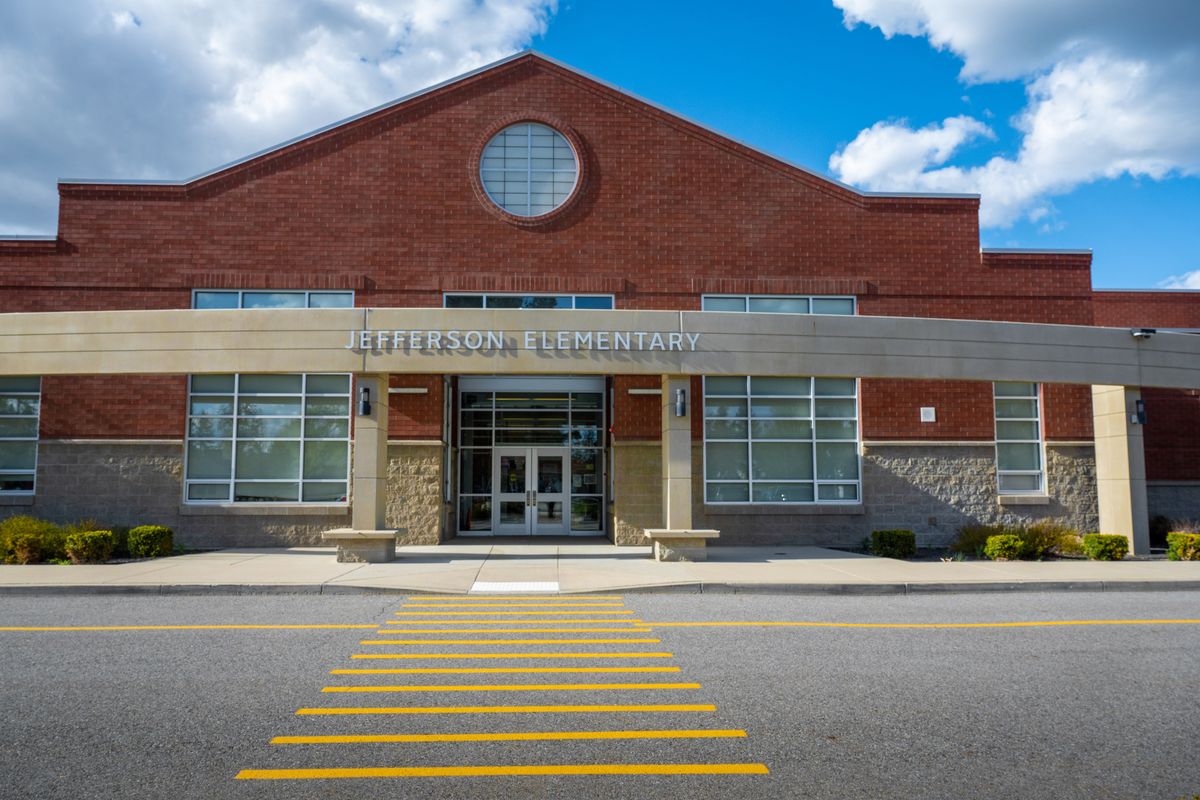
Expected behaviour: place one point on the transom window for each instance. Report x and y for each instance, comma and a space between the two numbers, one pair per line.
1020, 466
237, 298
527, 301
268, 439
529, 169
777, 304
20, 405
781, 440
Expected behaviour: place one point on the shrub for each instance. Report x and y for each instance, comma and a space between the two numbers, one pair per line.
1003, 547
971, 539
90, 546
1183, 546
1105, 546
1071, 545
894, 543
38, 540
150, 541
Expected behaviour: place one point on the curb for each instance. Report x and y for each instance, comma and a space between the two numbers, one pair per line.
855, 589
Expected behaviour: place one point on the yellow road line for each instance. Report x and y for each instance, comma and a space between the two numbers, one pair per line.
493, 670
530, 736
389, 631
72, 628
513, 655
625, 640
591, 709
509, 687
620, 621
930, 625
498, 771
489, 596
504, 613
511, 605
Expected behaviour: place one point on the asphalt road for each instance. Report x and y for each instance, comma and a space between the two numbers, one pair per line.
1057, 711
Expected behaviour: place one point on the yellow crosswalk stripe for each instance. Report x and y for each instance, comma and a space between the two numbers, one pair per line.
511, 605
390, 631
623, 640
512, 655
556, 709
504, 613
490, 771
493, 670
511, 687
488, 596
588, 621
930, 625
523, 736
74, 628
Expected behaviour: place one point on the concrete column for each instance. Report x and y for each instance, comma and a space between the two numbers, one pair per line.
1121, 465
370, 456
676, 455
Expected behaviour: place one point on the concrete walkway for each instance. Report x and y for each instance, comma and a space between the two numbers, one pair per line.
568, 567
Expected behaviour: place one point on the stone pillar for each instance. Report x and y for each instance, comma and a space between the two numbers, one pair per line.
1121, 465
676, 455
369, 509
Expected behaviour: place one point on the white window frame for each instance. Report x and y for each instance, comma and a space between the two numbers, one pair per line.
746, 298
241, 295
814, 441
36, 438
237, 394
529, 170
1040, 441
573, 295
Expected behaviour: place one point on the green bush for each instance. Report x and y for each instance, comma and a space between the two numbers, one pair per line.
894, 543
90, 546
971, 539
1003, 547
1045, 537
1105, 546
1183, 546
28, 540
150, 541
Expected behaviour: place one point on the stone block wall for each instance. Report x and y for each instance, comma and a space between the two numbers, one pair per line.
637, 501
414, 502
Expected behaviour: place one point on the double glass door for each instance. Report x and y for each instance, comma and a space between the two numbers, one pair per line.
530, 496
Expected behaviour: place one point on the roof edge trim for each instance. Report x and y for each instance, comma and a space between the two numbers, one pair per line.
31, 237
1038, 250
1148, 291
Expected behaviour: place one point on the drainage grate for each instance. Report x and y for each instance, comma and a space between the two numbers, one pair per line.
504, 587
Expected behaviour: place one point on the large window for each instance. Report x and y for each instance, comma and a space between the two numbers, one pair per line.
527, 301
1020, 464
268, 439
20, 403
781, 440
777, 304
528, 169
240, 298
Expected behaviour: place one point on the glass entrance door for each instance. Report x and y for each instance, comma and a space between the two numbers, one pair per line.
530, 497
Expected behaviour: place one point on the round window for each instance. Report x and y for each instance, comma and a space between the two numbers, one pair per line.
528, 169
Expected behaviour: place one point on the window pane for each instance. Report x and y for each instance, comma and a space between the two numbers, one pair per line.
464, 301
717, 385
838, 429
211, 459
835, 408
725, 429
210, 427
326, 428
1018, 456
214, 300
832, 305
475, 514
327, 406
585, 472
266, 492
779, 305
19, 404
1020, 483
268, 459
1010, 409
837, 461
781, 429
783, 492
727, 492
585, 437
534, 400
269, 428
504, 301
273, 300
475, 471
475, 437
779, 407
533, 436
834, 387
1024, 431
593, 302
586, 419
325, 459
269, 406
477, 419
583, 400
728, 460
837, 491
324, 493
20, 384
476, 400
724, 408
328, 384
780, 386
272, 384
585, 513
208, 491
1014, 389
211, 406
219, 384
530, 419
783, 460
331, 300
18, 428
17, 455
723, 304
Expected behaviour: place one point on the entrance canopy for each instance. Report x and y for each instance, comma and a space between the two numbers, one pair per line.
478, 341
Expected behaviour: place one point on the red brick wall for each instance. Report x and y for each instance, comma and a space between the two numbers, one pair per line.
113, 407
416, 416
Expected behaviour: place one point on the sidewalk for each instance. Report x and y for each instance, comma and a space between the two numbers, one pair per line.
571, 567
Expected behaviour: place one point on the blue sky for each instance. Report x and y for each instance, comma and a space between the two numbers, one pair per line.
1077, 120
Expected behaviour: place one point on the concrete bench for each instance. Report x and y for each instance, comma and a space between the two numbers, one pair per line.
680, 545
357, 546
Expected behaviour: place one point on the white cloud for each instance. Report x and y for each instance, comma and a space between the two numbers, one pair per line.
1188, 280
1110, 89
170, 88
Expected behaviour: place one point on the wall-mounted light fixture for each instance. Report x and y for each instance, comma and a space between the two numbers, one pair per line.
681, 402
364, 401
1143, 333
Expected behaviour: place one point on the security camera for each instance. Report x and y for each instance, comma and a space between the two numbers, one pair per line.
1143, 333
